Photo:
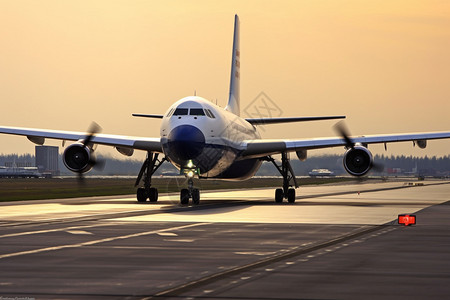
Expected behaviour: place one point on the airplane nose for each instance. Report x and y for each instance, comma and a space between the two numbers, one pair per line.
185, 142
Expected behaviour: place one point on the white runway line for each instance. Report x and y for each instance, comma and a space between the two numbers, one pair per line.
94, 242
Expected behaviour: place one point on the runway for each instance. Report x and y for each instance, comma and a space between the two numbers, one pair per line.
335, 242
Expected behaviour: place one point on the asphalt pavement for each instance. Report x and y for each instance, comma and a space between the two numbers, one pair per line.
335, 242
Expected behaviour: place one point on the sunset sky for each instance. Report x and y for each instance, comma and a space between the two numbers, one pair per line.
383, 64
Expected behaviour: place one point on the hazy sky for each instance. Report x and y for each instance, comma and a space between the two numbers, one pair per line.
383, 64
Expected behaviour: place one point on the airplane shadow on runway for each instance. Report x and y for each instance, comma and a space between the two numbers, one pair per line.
210, 204
230, 204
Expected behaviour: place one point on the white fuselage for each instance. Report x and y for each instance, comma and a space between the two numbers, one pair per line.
199, 135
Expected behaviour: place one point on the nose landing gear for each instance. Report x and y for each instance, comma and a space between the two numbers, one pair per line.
190, 192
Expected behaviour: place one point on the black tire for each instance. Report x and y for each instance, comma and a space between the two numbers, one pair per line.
184, 197
153, 195
278, 195
141, 195
291, 195
196, 196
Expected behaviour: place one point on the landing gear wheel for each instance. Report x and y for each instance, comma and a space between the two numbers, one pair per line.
291, 195
150, 165
184, 197
141, 195
288, 175
195, 196
278, 195
153, 195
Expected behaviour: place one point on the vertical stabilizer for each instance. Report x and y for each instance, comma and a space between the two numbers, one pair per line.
234, 98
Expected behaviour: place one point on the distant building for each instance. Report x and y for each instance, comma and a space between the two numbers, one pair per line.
18, 164
47, 158
19, 172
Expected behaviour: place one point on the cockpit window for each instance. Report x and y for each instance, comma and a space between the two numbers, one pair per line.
209, 113
170, 112
196, 112
181, 112
191, 111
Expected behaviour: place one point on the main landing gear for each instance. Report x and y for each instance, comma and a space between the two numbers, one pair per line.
287, 192
151, 164
190, 192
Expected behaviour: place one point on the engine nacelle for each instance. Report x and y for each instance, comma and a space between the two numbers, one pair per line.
79, 158
302, 155
421, 143
358, 161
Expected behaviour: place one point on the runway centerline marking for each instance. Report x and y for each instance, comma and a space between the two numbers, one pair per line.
79, 232
50, 230
94, 242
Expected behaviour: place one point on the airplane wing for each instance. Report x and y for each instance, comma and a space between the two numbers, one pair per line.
264, 147
265, 121
38, 136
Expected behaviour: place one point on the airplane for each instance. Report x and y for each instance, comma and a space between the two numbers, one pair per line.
206, 141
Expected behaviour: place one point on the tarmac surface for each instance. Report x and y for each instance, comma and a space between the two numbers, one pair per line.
335, 242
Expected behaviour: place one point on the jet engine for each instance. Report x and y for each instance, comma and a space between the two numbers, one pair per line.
358, 160
79, 158
302, 154
421, 143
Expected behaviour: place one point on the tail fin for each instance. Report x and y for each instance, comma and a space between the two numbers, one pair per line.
234, 98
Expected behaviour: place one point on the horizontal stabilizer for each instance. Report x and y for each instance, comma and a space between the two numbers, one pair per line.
148, 116
264, 121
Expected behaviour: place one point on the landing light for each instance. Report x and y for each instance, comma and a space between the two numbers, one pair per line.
190, 170
189, 165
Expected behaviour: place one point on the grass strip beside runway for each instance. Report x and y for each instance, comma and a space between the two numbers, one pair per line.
56, 188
